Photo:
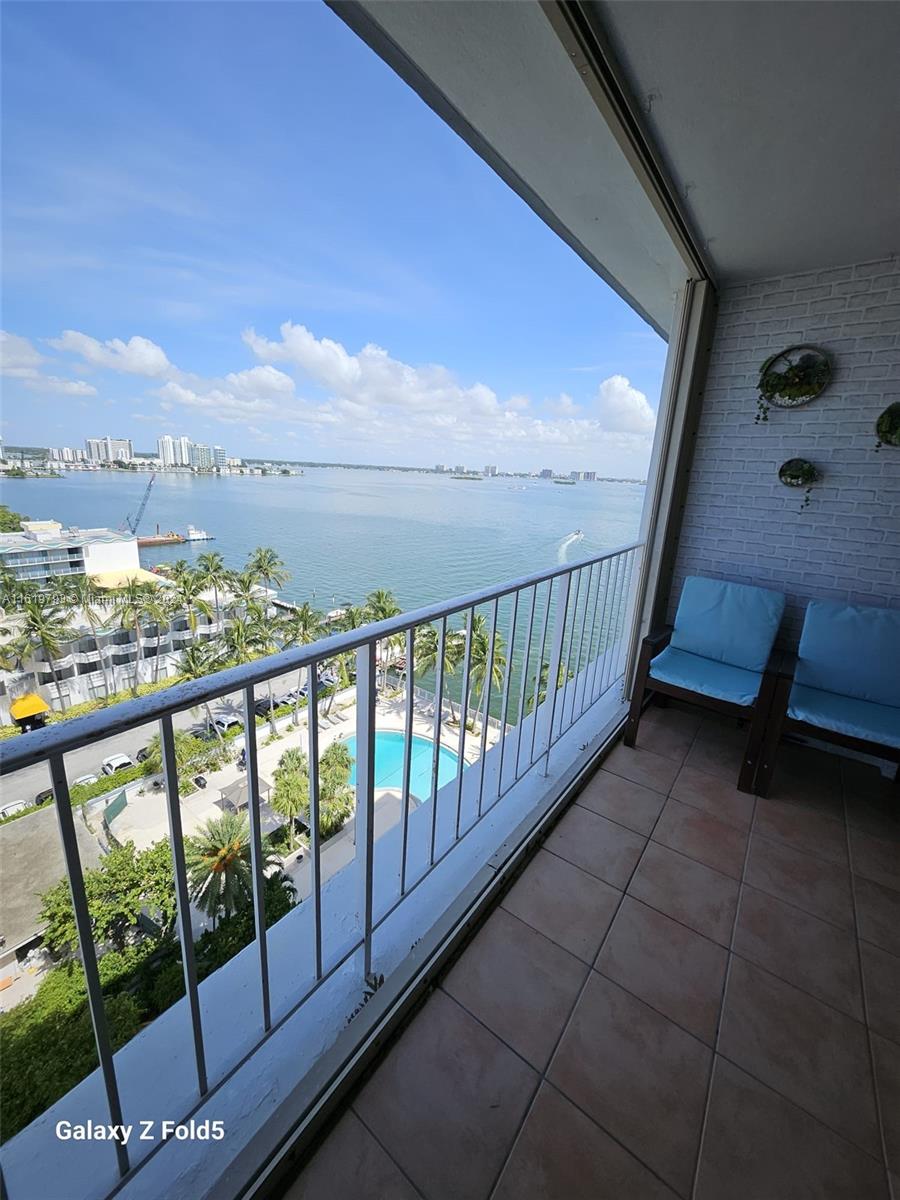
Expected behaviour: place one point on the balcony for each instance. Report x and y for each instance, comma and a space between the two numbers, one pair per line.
689, 991
375, 898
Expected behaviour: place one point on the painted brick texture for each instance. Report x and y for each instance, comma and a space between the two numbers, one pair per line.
740, 522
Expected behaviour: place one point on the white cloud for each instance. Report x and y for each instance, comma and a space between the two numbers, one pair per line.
63, 387
623, 409
137, 356
18, 358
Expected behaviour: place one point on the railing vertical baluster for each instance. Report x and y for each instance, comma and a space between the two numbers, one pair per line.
588, 669
524, 686
614, 626
486, 707
602, 594
569, 648
438, 725
256, 855
504, 703
407, 749
182, 900
559, 632
607, 619
587, 600
545, 620
66, 820
464, 705
365, 788
315, 847
632, 558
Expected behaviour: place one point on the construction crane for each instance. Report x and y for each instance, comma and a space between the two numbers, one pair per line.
132, 522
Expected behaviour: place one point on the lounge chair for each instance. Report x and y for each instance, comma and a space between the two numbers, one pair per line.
718, 655
842, 686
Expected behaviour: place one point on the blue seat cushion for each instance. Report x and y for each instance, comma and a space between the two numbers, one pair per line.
729, 622
705, 676
851, 650
846, 714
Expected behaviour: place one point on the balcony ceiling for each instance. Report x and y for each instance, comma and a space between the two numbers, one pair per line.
779, 124
500, 76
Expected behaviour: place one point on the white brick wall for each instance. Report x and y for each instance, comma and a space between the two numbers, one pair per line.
740, 522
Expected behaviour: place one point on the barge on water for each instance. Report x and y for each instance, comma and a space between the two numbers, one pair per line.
175, 539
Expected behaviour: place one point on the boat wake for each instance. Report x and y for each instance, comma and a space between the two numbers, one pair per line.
575, 536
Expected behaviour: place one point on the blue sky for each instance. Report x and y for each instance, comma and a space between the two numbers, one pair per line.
234, 221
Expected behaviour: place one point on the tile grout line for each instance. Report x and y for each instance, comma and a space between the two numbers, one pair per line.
543, 1074
375, 1138
725, 981
876, 1091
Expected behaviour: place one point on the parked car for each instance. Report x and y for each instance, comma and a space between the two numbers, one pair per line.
84, 779
224, 723
44, 797
116, 762
143, 754
261, 707
9, 810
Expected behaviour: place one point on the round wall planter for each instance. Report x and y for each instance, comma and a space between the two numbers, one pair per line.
792, 377
887, 427
799, 472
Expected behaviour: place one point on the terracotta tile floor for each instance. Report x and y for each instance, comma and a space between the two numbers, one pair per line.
688, 992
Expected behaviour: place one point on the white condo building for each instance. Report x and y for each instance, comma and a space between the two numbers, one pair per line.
109, 449
165, 450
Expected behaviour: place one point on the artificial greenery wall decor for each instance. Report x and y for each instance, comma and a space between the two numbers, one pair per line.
798, 472
887, 427
792, 377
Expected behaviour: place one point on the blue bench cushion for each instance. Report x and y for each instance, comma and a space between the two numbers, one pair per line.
852, 650
846, 714
727, 622
706, 676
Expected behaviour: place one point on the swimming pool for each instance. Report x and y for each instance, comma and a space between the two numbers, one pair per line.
389, 763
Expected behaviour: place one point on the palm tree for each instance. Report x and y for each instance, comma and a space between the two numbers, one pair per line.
480, 660
352, 617
162, 606
265, 563
263, 634
243, 586
212, 573
290, 795
131, 608
426, 652
336, 798
197, 662
381, 605
218, 865
44, 623
303, 626
82, 593
188, 592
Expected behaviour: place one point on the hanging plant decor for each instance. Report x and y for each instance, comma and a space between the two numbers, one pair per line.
887, 427
791, 378
797, 472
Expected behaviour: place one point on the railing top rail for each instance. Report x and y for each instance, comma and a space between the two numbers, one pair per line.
97, 726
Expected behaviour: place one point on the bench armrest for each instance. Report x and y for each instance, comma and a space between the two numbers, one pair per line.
782, 664
658, 639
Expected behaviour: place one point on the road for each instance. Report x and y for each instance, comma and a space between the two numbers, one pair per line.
24, 785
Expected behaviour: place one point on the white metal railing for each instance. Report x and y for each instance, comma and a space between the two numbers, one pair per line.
511, 642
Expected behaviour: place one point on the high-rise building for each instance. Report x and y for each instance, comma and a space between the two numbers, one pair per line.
109, 449
490, 471
440, 468
165, 448
576, 474
590, 476
546, 473
183, 451
220, 458
202, 457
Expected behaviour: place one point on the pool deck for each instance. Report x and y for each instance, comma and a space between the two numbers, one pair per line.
144, 820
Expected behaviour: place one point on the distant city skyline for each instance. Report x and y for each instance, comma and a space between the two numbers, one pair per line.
153, 285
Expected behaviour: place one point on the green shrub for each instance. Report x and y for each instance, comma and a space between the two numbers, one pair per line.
47, 1044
